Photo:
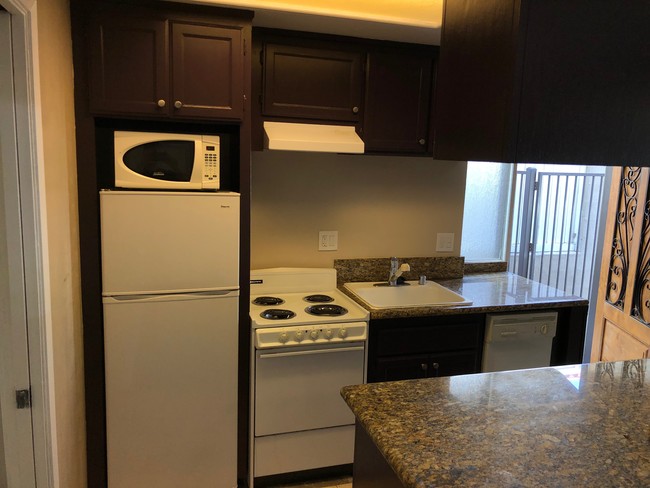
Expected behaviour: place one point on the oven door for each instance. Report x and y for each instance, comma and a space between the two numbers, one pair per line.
298, 389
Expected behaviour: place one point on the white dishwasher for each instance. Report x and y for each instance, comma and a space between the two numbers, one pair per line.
518, 341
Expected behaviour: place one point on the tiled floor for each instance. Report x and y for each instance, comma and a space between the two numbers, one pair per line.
345, 482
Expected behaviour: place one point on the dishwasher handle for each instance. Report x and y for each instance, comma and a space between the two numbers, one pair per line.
509, 333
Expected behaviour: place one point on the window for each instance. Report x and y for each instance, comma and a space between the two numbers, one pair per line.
486, 215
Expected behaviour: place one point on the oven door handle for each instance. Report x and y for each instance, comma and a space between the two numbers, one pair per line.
310, 352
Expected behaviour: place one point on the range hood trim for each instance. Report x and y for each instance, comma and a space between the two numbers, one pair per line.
286, 136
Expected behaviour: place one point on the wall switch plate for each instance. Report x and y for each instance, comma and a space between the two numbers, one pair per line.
445, 242
328, 240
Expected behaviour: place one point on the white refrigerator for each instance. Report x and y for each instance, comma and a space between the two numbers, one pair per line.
170, 290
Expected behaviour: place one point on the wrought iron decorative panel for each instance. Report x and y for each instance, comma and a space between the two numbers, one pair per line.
641, 291
623, 235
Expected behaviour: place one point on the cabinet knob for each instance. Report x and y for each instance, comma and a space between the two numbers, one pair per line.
178, 104
355, 110
161, 103
436, 368
422, 142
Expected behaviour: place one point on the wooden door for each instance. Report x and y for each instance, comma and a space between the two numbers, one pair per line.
621, 328
398, 101
310, 83
129, 65
207, 71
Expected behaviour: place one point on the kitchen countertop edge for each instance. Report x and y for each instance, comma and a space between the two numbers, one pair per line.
493, 304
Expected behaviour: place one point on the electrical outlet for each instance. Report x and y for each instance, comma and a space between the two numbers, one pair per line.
328, 240
445, 242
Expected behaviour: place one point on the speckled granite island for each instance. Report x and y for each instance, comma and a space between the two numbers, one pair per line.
570, 426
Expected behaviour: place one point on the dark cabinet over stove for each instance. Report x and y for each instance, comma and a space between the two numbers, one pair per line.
384, 89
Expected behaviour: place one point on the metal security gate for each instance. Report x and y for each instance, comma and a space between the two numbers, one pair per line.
555, 228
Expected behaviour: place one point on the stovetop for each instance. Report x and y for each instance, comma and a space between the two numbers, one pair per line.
300, 296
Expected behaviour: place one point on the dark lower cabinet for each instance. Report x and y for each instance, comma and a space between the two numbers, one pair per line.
371, 470
425, 347
427, 366
428, 347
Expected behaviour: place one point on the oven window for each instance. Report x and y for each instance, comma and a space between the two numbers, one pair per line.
162, 160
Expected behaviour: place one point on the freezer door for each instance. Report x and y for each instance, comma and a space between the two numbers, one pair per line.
161, 242
171, 391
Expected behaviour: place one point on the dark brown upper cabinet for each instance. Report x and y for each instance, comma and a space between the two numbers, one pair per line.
145, 64
382, 88
398, 100
311, 83
544, 81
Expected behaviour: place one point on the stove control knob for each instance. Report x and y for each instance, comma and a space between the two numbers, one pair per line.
299, 335
343, 333
283, 337
314, 334
328, 334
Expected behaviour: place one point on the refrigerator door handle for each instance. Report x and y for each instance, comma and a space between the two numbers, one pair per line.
171, 296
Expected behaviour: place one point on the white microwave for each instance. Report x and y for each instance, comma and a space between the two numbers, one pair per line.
166, 161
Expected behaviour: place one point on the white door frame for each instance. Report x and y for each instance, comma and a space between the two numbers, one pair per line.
29, 190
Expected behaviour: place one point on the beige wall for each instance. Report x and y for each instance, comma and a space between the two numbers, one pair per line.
55, 64
381, 206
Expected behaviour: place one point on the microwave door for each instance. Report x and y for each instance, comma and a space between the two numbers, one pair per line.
160, 164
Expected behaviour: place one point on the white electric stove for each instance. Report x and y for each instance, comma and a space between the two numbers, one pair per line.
309, 340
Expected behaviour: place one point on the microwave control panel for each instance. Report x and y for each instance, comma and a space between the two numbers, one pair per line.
211, 164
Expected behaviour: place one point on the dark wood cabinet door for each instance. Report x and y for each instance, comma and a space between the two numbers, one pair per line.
309, 83
397, 101
207, 71
551, 81
453, 363
416, 336
129, 65
401, 368
584, 86
426, 366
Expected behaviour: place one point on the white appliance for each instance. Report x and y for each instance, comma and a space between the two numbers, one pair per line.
170, 298
309, 340
518, 341
153, 160
289, 136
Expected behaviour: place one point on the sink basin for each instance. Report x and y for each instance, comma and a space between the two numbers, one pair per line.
411, 294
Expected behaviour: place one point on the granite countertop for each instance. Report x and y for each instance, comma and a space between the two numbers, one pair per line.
570, 426
489, 292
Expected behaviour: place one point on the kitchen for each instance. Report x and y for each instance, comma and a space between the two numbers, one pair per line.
394, 231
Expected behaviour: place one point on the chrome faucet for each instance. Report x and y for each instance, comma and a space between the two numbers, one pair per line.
396, 271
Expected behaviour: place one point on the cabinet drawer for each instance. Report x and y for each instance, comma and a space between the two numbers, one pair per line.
421, 340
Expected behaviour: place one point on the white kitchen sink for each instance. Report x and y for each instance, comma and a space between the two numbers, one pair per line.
412, 294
